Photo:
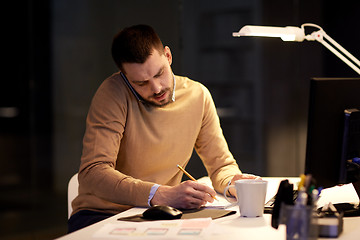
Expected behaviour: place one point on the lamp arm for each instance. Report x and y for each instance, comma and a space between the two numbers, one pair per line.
343, 50
320, 35
340, 55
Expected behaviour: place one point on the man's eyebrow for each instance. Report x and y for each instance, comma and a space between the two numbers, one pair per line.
157, 74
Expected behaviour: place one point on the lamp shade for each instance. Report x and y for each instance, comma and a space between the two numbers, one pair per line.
285, 33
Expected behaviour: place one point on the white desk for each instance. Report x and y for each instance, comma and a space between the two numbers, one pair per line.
250, 228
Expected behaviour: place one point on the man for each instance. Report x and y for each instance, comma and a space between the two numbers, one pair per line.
143, 121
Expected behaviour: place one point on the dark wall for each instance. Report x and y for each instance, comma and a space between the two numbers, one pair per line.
25, 97
287, 69
26, 120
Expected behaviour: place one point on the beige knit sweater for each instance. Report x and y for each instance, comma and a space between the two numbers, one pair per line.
128, 145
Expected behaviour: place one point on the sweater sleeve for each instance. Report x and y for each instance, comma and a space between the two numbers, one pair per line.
212, 147
104, 130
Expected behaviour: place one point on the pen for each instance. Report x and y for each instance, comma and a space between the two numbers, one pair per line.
191, 177
186, 173
302, 181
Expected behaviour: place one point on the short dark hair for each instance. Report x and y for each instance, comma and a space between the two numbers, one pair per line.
135, 44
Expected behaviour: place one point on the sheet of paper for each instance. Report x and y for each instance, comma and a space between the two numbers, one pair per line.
174, 229
220, 203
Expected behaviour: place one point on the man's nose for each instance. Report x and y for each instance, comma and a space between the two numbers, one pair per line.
156, 86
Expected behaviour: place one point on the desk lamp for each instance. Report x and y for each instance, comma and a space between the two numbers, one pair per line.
298, 34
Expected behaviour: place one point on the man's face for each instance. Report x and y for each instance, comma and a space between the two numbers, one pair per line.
153, 79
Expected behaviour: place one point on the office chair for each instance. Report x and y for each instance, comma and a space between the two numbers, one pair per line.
73, 191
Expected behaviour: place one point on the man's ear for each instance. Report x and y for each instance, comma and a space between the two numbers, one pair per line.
168, 55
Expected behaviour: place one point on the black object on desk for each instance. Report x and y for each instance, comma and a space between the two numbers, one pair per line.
284, 195
159, 212
269, 205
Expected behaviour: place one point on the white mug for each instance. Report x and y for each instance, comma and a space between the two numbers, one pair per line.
251, 195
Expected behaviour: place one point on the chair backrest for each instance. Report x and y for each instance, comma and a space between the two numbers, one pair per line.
73, 191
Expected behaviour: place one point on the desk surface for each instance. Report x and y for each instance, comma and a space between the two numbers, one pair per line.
249, 228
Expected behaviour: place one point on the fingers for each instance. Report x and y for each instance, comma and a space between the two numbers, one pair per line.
202, 188
248, 176
195, 194
199, 191
232, 192
244, 176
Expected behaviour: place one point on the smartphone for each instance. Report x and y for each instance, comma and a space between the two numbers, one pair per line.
138, 97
